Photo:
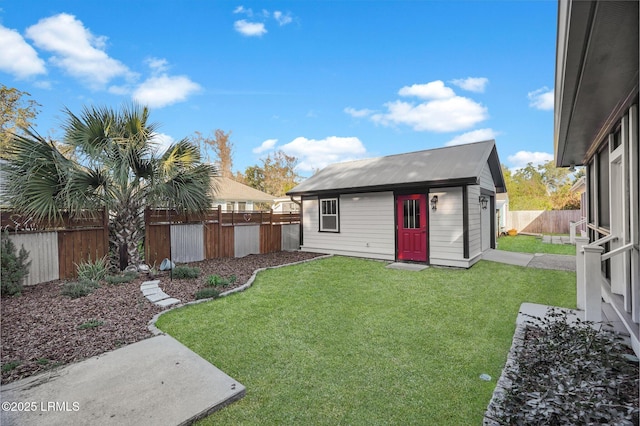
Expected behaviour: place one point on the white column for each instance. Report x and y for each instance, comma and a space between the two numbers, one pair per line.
593, 283
580, 283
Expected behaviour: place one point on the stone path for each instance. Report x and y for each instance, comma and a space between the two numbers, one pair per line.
556, 239
154, 294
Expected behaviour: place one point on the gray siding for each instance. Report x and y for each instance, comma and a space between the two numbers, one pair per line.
446, 238
246, 240
475, 233
187, 243
43, 254
366, 227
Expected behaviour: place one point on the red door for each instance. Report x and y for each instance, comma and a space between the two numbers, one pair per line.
411, 214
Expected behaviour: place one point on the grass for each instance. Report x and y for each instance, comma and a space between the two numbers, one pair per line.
531, 244
347, 341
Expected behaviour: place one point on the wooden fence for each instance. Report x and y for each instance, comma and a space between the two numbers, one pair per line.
56, 247
216, 234
542, 221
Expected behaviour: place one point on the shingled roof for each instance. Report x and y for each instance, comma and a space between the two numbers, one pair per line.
454, 165
229, 190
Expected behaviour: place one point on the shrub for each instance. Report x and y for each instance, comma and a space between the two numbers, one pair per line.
8, 366
90, 324
217, 281
127, 277
93, 271
186, 272
14, 267
207, 293
75, 289
569, 373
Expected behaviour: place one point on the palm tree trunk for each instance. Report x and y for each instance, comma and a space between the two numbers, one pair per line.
127, 233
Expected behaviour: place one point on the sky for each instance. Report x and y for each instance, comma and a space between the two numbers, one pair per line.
324, 81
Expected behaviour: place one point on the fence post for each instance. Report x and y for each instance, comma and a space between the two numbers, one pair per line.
572, 232
219, 247
593, 286
580, 284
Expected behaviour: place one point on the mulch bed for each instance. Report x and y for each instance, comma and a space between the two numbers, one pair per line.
39, 330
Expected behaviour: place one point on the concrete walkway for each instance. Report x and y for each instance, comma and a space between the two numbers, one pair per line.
559, 262
157, 381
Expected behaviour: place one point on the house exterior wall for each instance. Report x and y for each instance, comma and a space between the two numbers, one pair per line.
367, 226
446, 232
486, 179
475, 223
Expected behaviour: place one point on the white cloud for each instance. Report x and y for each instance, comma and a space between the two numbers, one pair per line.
358, 113
265, 146
17, 57
473, 136
542, 98
433, 90
250, 29
281, 18
440, 115
242, 9
472, 84
316, 154
157, 64
162, 142
522, 158
163, 90
76, 50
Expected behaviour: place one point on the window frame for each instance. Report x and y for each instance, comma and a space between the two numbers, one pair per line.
321, 215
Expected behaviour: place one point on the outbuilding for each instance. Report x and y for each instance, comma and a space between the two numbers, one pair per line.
435, 206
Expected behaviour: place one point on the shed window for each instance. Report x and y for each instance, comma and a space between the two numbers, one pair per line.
329, 215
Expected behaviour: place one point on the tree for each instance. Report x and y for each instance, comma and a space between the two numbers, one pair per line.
16, 112
275, 176
222, 147
115, 167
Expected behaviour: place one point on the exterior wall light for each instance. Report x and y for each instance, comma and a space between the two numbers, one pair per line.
434, 202
483, 201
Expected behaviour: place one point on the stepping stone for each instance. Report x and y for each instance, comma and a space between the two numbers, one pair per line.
151, 290
168, 302
156, 297
149, 284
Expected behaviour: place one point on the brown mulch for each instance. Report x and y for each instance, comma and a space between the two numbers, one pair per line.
39, 329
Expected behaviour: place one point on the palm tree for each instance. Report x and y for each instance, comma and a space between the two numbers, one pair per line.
108, 159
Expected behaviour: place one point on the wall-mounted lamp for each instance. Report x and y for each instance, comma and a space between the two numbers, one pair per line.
434, 202
483, 201
572, 168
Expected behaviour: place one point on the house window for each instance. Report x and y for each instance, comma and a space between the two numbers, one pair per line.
411, 214
604, 220
229, 207
329, 215
242, 206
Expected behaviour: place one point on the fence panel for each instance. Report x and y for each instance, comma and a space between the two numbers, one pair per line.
187, 243
290, 237
246, 240
157, 243
542, 221
270, 238
43, 254
79, 245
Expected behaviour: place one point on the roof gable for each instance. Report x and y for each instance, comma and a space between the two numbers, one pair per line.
459, 164
229, 190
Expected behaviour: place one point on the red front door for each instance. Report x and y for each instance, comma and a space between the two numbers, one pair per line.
411, 211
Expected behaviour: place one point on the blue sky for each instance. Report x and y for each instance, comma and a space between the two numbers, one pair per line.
325, 81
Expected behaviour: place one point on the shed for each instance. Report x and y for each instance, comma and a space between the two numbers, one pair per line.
434, 206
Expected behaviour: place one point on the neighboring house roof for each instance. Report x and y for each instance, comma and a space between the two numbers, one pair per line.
455, 165
580, 185
596, 74
230, 190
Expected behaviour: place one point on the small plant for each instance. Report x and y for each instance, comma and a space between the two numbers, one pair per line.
218, 281
568, 373
127, 277
14, 267
43, 361
94, 323
76, 289
8, 366
186, 272
207, 293
94, 271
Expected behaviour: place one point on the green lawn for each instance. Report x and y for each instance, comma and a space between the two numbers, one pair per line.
347, 341
531, 244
